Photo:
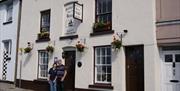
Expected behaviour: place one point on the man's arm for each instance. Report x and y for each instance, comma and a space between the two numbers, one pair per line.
65, 73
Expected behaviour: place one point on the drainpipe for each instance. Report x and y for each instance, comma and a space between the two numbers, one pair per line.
17, 41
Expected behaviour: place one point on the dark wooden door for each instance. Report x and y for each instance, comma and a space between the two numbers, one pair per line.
134, 68
69, 82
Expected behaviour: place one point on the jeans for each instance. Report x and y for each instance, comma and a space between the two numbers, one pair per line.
60, 86
53, 85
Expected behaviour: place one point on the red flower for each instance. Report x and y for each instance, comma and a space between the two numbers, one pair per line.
80, 47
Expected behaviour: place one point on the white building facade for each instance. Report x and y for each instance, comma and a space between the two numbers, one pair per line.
97, 67
9, 10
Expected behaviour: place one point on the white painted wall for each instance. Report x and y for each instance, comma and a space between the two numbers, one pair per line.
9, 31
137, 16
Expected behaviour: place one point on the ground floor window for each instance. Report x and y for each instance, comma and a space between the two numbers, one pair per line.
43, 64
103, 64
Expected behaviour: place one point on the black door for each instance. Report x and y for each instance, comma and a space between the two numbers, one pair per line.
134, 68
69, 82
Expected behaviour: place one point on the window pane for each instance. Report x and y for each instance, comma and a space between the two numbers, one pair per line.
109, 5
98, 60
108, 77
108, 60
103, 51
108, 69
99, 69
104, 6
98, 52
42, 67
168, 58
109, 17
98, 77
103, 60
103, 77
104, 70
108, 51
45, 20
99, 7
177, 57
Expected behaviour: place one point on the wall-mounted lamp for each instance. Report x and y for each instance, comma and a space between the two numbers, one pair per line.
29, 44
125, 31
122, 34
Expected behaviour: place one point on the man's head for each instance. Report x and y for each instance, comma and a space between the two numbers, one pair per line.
59, 62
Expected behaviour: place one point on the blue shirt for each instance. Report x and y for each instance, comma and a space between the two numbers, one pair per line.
52, 73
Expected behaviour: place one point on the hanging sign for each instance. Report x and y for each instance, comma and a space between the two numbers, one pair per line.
73, 16
78, 11
69, 22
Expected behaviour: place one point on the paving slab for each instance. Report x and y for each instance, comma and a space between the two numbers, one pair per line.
10, 87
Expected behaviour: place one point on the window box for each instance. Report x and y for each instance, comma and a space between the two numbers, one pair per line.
101, 27
43, 35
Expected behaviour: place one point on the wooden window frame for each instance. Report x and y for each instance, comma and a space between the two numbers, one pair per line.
39, 74
107, 27
44, 36
101, 85
44, 13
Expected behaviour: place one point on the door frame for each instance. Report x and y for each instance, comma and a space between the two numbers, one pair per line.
70, 49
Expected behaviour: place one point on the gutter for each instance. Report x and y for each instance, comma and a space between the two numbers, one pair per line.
17, 41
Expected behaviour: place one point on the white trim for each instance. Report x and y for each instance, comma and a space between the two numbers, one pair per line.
101, 65
41, 63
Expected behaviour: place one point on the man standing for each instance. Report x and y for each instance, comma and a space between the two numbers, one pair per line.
61, 74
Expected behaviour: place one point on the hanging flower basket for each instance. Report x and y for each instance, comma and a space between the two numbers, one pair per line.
27, 49
50, 48
116, 44
80, 47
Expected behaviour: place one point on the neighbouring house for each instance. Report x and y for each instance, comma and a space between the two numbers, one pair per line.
168, 41
9, 16
106, 45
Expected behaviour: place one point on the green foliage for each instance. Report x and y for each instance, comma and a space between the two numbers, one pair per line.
43, 35
50, 48
27, 49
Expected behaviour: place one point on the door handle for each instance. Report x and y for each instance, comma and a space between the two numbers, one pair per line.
174, 81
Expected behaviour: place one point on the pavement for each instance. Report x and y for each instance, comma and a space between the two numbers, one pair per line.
10, 87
